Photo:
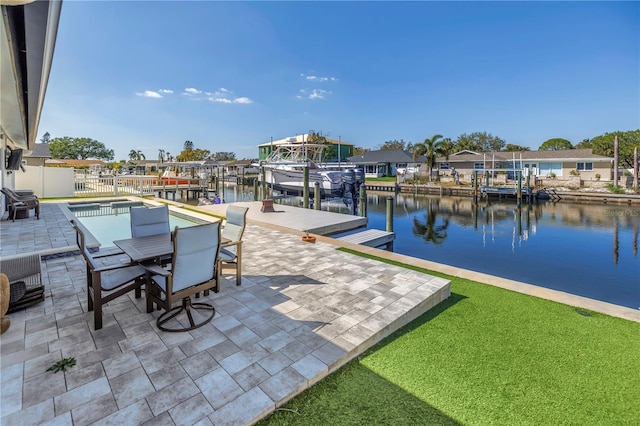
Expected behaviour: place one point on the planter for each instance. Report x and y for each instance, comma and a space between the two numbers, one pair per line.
309, 238
5, 322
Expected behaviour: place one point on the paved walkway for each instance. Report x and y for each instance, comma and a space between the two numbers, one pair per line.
303, 310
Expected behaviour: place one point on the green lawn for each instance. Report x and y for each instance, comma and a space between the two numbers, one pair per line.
486, 356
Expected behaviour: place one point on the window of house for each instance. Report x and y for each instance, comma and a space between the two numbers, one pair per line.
401, 165
584, 166
478, 166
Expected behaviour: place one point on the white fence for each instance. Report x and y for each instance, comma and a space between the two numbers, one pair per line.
46, 182
92, 185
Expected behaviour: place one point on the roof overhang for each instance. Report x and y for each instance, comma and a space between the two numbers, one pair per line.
28, 32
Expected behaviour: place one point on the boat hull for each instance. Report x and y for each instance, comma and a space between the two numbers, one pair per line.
293, 180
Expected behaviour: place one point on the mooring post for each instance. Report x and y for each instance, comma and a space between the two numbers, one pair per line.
305, 188
519, 192
389, 214
255, 189
475, 186
363, 201
529, 191
316, 196
264, 183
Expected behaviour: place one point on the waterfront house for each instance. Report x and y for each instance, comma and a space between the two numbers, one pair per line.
382, 163
27, 38
38, 156
341, 149
541, 164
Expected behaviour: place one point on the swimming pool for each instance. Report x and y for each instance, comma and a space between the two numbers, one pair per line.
109, 221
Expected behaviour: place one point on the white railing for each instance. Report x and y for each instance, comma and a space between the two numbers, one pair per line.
92, 185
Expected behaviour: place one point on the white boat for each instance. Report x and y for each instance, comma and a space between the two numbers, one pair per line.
284, 169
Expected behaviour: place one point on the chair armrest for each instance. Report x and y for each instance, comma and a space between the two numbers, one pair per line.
102, 256
231, 243
156, 269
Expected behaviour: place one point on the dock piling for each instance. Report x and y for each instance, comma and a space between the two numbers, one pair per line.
305, 188
316, 196
389, 214
363, 201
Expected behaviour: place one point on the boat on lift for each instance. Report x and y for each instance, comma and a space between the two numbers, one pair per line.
285, 165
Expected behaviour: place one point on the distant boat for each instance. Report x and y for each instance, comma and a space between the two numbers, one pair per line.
284, 169
170, 178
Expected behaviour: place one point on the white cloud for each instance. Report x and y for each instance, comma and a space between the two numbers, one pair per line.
192, 91
313, 94
149, 94
167, 91
225, 96
318, 78
242, 100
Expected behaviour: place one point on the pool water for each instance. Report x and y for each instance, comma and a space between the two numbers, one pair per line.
109, 228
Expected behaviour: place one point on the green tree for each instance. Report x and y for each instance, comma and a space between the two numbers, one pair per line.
555, 144
479, 142
136, 155
394, 145
516, 148
585, 144
224, 156
357, 150
196, 154
446, 147
46, 138
429, 148
79, 149
627, 141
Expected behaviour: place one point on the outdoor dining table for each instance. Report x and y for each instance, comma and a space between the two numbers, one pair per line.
141, 249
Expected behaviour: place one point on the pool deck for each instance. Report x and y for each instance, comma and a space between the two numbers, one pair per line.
303, 310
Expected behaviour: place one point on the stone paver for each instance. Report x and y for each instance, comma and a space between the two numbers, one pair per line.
302, 311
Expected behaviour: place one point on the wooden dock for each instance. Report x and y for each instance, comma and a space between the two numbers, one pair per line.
371, 238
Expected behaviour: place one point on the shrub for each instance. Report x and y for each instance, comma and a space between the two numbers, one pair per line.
597, 176
574, 172
615, 189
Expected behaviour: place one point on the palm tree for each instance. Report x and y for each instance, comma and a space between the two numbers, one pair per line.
188, 145
432, 230
136, 155
429, 148
169, 156
161, 155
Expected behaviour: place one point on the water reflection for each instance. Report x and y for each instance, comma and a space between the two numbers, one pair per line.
585, 249
431, 229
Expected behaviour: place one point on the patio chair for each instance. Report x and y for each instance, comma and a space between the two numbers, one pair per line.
20, 203
146, 221
231, 253
106, 282
25, 280
193, 269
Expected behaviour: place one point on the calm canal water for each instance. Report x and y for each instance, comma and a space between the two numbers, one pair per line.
589, 250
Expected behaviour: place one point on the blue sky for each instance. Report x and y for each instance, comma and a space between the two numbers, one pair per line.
231, 75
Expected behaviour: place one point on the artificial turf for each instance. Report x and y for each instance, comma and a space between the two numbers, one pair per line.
485, 356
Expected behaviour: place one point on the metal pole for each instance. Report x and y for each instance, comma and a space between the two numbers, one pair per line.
305, 189
616, 148
316, 196
389, 214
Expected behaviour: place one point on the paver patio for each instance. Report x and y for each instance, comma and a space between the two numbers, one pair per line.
303, 310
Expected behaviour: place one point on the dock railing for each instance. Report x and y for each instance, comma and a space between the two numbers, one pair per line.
92, 186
